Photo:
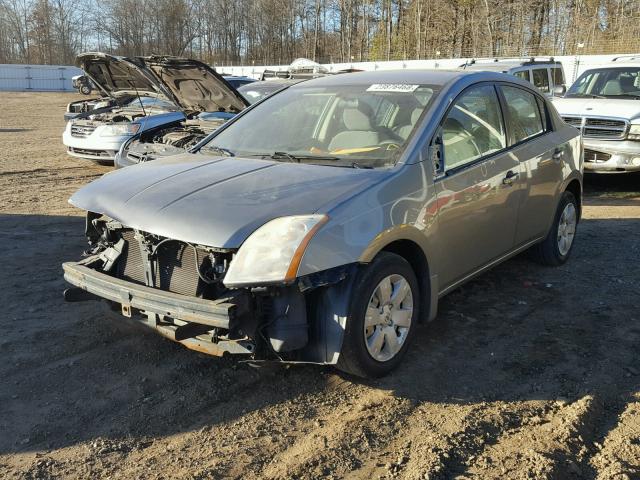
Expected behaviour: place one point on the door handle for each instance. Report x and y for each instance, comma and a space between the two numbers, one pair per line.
557, 154
509, 177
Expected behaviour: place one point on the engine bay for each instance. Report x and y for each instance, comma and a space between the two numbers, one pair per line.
171, 140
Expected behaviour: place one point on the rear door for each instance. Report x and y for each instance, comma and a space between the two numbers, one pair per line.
534, 144
476, 185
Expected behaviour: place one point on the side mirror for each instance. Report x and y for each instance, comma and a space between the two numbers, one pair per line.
559, 90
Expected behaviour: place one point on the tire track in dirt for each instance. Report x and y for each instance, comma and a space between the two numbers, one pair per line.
618, 455
441, 439
546, 445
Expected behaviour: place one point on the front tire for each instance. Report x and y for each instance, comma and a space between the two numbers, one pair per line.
383, 316
85, 90
555, 249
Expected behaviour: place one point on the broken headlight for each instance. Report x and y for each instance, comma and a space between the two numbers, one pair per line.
273, 252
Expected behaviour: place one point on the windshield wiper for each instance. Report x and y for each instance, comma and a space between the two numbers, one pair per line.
281, 155
224, 151
304, 157
294, 157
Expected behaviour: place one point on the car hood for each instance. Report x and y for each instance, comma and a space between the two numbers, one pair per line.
628, 109
195, 86
113, 74
216, 201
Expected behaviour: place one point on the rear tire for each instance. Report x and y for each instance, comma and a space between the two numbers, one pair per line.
556, 248
382, 319
85, 90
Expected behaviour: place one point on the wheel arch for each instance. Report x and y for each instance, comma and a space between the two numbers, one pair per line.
575, 187
411, 244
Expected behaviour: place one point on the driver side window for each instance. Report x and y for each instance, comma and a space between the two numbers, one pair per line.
473, 127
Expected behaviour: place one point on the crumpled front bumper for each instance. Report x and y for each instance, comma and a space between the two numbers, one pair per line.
623, 156
195, 316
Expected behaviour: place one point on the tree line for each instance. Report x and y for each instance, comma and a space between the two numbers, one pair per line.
270, 32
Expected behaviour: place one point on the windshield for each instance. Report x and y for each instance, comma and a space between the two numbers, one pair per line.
364, 126
607, 83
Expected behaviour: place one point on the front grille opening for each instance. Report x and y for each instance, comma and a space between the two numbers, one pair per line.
573, 121
596, 157
82, 131
602, 128
90, 152
175, 266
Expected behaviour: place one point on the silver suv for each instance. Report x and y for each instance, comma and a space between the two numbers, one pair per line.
547, 75
603, 105
323, 224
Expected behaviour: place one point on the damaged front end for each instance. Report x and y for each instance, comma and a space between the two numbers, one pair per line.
177, 288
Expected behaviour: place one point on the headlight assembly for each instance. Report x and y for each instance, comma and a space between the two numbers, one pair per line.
119, 130
634, 132
273, 252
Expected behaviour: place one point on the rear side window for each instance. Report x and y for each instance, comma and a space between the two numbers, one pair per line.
523, 74
524, 114
558, 76
541, 79
473, 127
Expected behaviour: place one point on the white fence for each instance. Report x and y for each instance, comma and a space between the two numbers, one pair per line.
37, 78
572, 65
43, 78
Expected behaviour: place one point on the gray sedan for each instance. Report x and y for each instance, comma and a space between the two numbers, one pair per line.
324, 224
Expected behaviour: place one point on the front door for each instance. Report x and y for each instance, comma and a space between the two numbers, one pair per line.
478, 186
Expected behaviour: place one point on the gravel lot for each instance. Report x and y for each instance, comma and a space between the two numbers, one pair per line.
528, 372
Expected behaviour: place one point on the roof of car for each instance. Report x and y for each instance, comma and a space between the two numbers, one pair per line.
505, 65
420, 77
621, 63
492, 67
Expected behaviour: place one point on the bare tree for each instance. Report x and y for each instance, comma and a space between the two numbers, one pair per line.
271, 32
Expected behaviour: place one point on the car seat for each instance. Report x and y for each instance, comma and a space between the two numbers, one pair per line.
405, 130
612, 87
359, 131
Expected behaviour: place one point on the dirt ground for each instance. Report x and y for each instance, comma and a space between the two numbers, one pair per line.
528, 372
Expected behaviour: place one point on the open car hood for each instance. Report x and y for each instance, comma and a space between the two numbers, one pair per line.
195, 86
113, 74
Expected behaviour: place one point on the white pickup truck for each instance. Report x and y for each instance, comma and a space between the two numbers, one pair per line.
604, 104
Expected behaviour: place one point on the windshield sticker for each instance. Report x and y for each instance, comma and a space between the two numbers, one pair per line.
392, 87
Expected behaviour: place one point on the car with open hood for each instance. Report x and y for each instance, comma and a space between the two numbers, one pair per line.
603, 104
131, 102
204, 96
327, 233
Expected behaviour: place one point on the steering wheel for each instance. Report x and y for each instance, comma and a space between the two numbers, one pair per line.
389, 145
